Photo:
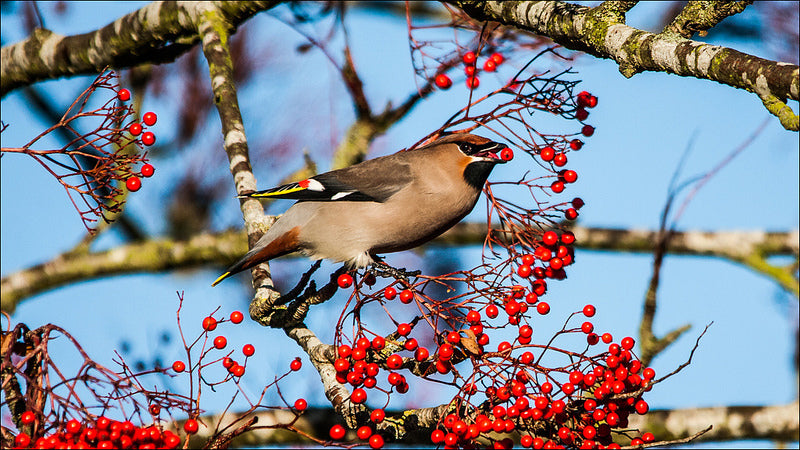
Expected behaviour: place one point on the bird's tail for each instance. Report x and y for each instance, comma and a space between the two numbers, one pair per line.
262, 252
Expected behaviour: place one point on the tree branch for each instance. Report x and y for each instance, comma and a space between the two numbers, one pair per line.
225, 247
601, 32
156, 33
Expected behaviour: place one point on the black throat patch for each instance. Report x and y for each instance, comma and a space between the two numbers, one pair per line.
477, 172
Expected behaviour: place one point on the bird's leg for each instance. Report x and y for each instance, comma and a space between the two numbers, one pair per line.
380, 268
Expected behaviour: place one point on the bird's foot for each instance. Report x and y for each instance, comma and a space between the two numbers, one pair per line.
386, 271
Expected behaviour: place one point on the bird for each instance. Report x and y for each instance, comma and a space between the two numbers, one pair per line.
382, 205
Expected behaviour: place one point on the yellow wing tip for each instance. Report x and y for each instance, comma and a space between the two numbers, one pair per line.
221, 277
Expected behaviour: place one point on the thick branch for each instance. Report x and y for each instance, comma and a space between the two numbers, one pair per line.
602, 32
225, 247
158, 32
773, 423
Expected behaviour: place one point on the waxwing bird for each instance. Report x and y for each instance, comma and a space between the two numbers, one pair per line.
382, 205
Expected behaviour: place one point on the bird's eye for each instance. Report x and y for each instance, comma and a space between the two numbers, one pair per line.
465, 148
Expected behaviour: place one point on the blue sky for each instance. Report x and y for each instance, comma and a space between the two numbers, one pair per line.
643, 125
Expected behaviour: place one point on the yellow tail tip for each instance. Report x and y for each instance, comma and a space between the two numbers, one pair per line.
221, 277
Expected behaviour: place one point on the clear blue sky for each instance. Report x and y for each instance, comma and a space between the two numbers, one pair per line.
643, 124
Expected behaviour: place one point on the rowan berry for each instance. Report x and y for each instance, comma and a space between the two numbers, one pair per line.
376, 441
209, 323
149, 118
190, 426
178, 366
473, 82
135, 129
237, 317
296, 364
497, 58
133, 183
560, 159
148, 138
506, 154
337, 432
394, 361
358, 396
27, 417
124, 95
248, 350
547, 153
344, 281
469, 58
300, 404
403, 329
543, 308
406, 296
220, 342
390, 293
442, 81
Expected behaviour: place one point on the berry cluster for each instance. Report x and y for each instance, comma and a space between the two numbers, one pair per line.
220, 342
470, 60
147, 138
102, 433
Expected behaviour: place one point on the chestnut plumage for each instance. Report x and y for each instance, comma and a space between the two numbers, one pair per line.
383, 205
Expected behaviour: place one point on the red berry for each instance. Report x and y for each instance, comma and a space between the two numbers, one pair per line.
248, 350
406, 295
469, 70
576, 144
581, 114
437, 436
592, 101
648, 373
27, 418
148, 138
489, 66
421, 354
344, 351
442, 81
506, 154
588, 310
296, 364
220, 342
497, 58
445, 352
473, 317
491, 311
642, 407
337, 432
627, 343
560, 160
300, 404
468, 58
344, 281
390, 293
571, 214
178, 366
550, 238
73, 427
607, 338
22, 440
124, 95
543, 308
209, 323
587, 327
473, 82
133, 183
648, 437
149, 118
377, 416
363, 343
583, 98
190, 426
376, 441
358, 396
135, 128
547, 153
568, 237
394, 361
557, 187
453, 337
403, 329
526, 358
587, 131
570, 176
227, 362
524, 271
148, 170
237, 317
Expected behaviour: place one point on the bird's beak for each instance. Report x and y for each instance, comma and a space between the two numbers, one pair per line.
490, 152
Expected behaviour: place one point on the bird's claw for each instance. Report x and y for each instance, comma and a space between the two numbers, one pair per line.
386, 271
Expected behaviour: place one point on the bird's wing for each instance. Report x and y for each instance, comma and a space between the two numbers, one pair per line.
374, 180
